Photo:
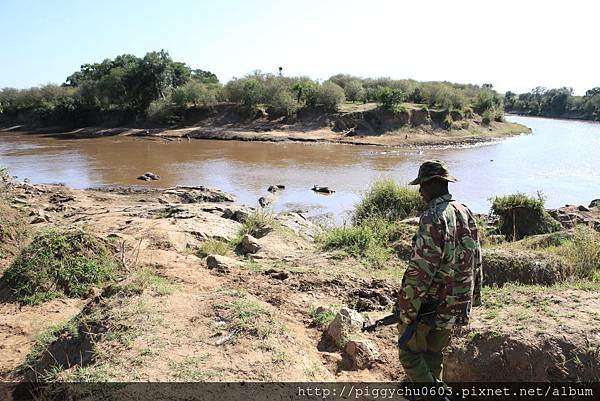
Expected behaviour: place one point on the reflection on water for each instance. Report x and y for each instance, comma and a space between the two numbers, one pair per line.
558, 159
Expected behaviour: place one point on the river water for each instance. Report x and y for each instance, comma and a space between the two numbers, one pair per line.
561, 159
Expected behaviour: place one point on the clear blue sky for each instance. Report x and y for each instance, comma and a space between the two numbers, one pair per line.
514, 44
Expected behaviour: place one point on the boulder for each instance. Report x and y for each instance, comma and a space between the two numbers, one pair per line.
594, 203
249, 244
363, 353
262, 231
582, 208
240, 216
221, 264
346, 322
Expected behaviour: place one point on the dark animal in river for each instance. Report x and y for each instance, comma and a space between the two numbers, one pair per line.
322, 190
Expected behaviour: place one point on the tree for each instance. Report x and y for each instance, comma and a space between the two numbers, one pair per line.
205, 77
354, 90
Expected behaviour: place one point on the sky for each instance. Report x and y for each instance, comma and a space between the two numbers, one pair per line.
515, 45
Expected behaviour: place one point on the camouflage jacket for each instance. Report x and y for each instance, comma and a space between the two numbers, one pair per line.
445, 266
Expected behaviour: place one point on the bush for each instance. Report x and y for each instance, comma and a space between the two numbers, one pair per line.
521, 215
330, 96
390, 98
390, 201
282, 103
58, 262
487, 117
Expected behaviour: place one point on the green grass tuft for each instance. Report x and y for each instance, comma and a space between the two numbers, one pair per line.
214, 246
60, 262
390, 201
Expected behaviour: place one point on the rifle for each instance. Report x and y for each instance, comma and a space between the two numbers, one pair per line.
386, 321
426, 313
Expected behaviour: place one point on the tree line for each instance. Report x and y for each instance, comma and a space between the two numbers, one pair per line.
557, 102
155, 87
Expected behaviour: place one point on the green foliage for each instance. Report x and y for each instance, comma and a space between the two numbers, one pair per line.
364, 240
255, 222
213, 246
145, 279
330, 96
521, 215
390, 98
126, 83
244, 316
555, 103
354, 91
321, 318
390, 201
58, 262
375, 223
583, 253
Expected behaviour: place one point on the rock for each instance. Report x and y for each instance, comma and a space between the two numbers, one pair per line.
594, 203
199, 194
276, 274
363, 353
222, 264
260, 232
346, 322
582, 208
39, 217
319, 310
144, 178
240, 216
249, 244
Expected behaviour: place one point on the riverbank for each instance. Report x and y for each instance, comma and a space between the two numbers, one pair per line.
263, 309
358, 125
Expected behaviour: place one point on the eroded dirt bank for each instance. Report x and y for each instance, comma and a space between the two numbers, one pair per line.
260, 311
413, 127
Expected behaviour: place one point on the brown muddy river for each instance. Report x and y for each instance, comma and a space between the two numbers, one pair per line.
560, 159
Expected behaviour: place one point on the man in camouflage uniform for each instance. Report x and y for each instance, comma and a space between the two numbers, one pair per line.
443, 279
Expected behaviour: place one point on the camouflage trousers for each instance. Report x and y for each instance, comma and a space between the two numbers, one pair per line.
421, 357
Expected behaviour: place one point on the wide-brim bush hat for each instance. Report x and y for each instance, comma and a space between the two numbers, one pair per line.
432, 169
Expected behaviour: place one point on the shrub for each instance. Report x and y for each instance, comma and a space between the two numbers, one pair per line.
331, 96
282, 103
487, 117
390, 98
521, 215
390, 201
58, 262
